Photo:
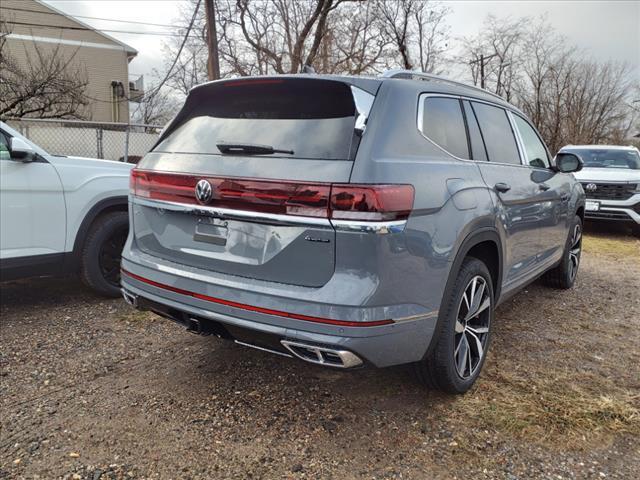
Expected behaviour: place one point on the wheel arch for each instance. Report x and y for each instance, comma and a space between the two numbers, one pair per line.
483, 243
107, 205
580, 212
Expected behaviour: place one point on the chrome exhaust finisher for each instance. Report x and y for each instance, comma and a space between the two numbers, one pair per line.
322, 355
130, 298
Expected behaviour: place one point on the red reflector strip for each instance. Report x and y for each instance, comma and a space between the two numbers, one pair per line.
251, 308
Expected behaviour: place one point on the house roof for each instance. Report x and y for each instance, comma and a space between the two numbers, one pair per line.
127, 48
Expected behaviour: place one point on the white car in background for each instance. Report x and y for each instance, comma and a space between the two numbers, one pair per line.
61, 215
611, 180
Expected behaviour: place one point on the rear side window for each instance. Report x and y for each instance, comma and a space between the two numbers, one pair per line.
498, 136
534, 149
313, 118
478, 152
441, 121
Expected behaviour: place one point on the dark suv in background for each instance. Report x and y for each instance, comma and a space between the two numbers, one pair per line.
346, 220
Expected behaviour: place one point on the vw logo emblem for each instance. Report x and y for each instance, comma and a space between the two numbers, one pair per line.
203, 191
591, 187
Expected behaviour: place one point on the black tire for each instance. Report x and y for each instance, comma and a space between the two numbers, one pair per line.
101, 253
441, 367
635, 229
564, 275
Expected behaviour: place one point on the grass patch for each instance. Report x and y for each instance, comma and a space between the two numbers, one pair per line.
627, 247
552, 408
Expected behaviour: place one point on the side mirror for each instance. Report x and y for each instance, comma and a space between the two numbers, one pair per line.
21, 150
568, 162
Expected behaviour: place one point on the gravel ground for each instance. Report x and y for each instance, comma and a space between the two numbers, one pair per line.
92, 389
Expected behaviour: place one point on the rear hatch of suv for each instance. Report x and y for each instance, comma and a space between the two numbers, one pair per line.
244, 178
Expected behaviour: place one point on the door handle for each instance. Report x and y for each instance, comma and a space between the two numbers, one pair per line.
502, 187
544, 187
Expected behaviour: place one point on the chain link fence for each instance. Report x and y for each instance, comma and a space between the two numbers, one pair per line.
112, 141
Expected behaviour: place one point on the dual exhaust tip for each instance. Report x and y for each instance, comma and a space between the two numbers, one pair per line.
329, 357
326, 356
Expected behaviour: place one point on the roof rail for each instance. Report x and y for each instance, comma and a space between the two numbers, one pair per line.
399, 73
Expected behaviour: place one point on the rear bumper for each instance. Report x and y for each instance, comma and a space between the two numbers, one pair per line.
402, 341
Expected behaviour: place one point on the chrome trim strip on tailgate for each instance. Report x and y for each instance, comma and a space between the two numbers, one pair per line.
228, 214
381, 228
395, 226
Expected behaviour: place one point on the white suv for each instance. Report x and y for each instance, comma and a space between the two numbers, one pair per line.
61, 215
611, 180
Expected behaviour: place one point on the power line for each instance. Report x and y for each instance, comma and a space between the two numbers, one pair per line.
18, 9
157, 88
184, 41
61, 27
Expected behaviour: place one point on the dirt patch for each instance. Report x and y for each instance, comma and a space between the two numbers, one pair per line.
93, 389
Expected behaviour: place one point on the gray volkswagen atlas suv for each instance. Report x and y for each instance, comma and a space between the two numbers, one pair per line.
348, 220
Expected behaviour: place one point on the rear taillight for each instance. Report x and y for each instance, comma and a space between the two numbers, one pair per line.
373, 203
308, 200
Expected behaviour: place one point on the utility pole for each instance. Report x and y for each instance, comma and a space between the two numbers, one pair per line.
213, 65
482, 61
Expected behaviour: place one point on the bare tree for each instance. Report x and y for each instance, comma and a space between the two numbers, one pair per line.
353, 43
417, 31
258, 37
191, 64
499, 47
156, 109
284, 35
47, 84
570, 98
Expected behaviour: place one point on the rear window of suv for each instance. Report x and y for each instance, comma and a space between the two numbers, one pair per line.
313, 118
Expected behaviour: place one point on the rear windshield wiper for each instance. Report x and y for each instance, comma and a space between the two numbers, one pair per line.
249, 149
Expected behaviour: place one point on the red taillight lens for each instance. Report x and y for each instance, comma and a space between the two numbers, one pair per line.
336, 201
248, 83
163, 186
308, 200
132, 181
371, 202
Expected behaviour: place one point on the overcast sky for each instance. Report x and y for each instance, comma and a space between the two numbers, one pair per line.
608, 30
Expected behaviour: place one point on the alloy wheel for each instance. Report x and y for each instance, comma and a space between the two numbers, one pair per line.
574, 252
110, 256
472, 327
